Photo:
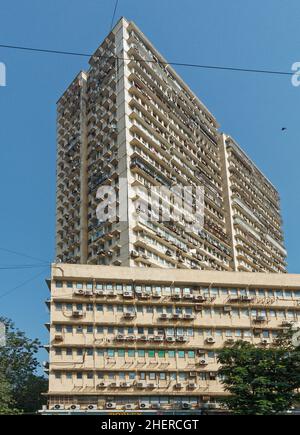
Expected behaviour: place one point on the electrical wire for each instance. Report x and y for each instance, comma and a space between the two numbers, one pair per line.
20, 254
24, 266
114, 14
3, 295
181, 64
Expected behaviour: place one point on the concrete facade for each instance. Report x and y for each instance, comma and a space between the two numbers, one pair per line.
127, 339
130, 125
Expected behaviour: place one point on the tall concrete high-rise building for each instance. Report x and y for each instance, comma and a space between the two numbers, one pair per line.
129, 129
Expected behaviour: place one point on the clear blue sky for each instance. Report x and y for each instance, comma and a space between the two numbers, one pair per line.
252, 108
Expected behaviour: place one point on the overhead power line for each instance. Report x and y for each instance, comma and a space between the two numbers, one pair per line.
23, 266
3, 295
181, 64
114, 14
20, 254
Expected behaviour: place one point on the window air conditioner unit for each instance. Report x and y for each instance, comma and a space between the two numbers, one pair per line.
198, 307
155, 406
134, 254
227, 309
130, 338
111, 405
101, 385
178, 386
144, 338
99, 292
188, 296
129, 406
88, 293
286, 323
125, 385
79, 292
92, 407
77, 313
128, 295
140, 385
158, 339
200, 298
144, 405
265, 341
120, 337
176, 316
74, 407
163, 316
176, 297
203, 362
151, 385
260, 319
188, 317
186, 405
58, 337
182, 339
145, 295
129, 315
230, 341
170, 339
58, 407
210, 340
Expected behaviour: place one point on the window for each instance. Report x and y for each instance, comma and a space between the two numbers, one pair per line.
58, 306
90, 375
110, 330
152, 376
121, 353
100, 329
57, 375
181, 354
69, 329
58, 328
132, 376
171, 353
58, 284
69, 352
161, 354
151, 353
89, 329
58, 352
131, 353
162, 376
69, 284
79, 352
69, 375
79, 286
89, 307
99, 307
110, 308
111, 353
191, 354
79, 375
141, 353
89, 286
89, 352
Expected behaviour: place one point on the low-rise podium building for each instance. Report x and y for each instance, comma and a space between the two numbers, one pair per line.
131, 339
